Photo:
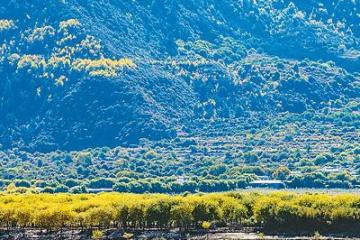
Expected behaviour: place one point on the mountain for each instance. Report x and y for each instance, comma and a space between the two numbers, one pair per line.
175, 96
86, 73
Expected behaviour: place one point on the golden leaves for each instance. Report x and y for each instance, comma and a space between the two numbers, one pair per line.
69, 23
103, 67
6, 24
101, 210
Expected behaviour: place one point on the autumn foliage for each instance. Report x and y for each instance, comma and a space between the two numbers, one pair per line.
86, 211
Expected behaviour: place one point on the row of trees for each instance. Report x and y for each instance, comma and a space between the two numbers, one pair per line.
309, 212
116, 210
305, 211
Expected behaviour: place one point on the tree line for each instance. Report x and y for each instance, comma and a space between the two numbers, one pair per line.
275, 211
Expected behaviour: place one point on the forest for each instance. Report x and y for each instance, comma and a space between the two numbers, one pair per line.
277, 211
165, 115
223, 94
306, 151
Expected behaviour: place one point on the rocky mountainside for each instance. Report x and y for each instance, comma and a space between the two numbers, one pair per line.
88, 73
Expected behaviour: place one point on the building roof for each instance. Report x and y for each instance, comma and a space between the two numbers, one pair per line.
267, 182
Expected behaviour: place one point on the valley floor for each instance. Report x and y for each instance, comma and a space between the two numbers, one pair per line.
249, 234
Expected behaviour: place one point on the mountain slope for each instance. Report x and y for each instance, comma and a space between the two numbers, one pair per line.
79, 74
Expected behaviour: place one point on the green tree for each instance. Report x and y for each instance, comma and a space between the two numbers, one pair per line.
282, 173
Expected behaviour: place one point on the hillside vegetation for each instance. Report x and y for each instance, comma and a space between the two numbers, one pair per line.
215, 60
142, 96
